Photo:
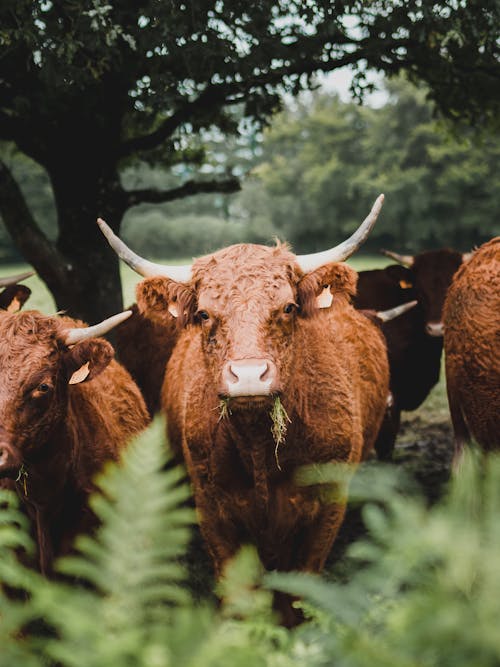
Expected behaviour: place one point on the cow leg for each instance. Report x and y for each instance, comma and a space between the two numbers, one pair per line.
460, 431
220, 535
386, 438
320, 537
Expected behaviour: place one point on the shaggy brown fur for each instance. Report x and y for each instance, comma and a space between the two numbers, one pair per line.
472, 349
332, 378
143, 346
414, 356
59, 434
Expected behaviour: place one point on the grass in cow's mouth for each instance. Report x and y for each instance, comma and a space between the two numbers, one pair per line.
22, 478
280, 420
224, 408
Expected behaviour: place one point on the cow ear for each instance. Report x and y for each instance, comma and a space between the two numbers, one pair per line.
14, 297
161, 298
85, 360
320, 288
401, 275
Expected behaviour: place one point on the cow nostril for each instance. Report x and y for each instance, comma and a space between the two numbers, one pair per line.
233, 375
265, 373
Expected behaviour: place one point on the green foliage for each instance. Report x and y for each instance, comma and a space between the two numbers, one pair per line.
325, 162
425, 592
153, 234
429, 589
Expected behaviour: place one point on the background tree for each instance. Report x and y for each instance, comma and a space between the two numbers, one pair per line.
324, 161
90, 88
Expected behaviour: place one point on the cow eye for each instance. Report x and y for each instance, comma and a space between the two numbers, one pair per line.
203, 315
43, 387
289, 308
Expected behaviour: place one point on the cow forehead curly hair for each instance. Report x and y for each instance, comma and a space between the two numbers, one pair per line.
246, 272
17, 328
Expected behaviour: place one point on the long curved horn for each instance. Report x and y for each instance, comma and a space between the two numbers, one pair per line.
12, 280
78, 334
341, 252
143, 267
405, 260
386, 315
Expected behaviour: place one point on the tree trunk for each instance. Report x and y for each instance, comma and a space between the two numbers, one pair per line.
92, 290
80, 270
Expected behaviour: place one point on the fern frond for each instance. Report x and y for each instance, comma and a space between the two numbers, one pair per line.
130, 568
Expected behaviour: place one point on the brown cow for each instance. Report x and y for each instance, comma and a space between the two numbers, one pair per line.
414, 341
66, 408
472, 349
144, 347
263, 323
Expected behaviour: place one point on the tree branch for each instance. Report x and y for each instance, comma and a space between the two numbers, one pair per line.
151, 196
35, 247
215, 96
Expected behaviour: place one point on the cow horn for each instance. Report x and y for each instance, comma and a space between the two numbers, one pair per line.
345, 249
467, 255
405, 260
143, 267
386, 315
78, 334
12, 280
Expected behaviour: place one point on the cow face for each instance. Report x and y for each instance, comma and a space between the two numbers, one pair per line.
37, 369
433, 272
245, 301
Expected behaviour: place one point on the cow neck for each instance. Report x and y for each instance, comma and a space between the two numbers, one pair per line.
45, 472
250, 434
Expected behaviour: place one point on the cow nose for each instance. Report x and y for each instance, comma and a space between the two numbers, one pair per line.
8, 461
249, 377
434, 329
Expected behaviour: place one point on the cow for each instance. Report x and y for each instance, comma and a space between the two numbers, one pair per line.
274, 370
472, 349
414, 340
144, 347
12, 298
66, 407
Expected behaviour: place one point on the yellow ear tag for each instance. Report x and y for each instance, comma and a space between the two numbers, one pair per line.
14, 305
172, 309
80, 375
324, 300
405, 284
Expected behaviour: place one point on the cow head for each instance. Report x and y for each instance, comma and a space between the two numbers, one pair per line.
246, 300
431, 274
40, 358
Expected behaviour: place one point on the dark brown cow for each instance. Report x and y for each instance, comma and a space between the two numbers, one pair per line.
472, 349
144, 346
66, 408
414, 340
263, 323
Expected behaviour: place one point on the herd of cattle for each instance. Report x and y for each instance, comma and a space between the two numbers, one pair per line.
218, 346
